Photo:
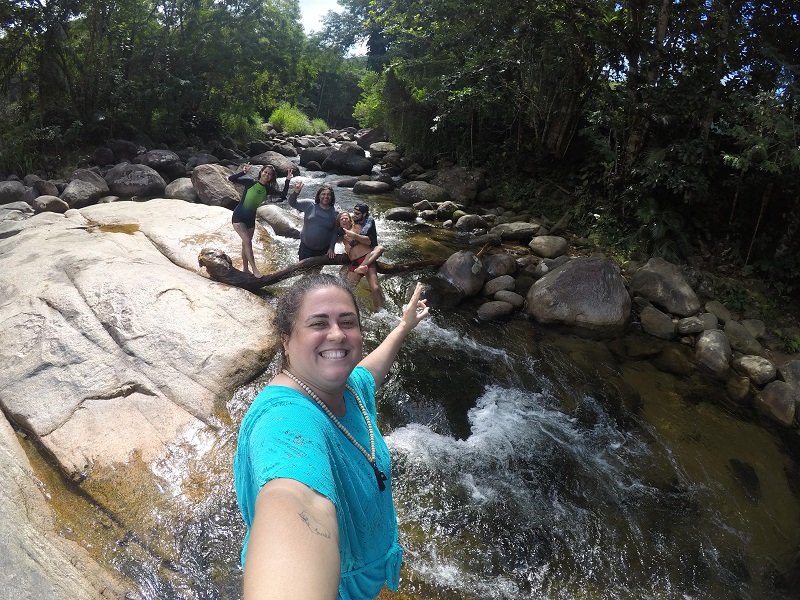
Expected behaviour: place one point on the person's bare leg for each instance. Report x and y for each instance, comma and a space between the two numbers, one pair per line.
369, 260
245, 260
375, 287
353, 278
247, 248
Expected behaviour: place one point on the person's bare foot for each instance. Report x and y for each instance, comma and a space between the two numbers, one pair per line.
361, 270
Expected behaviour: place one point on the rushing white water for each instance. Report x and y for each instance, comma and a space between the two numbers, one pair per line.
535, 503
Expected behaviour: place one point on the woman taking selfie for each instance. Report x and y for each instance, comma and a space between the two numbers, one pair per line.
313, 479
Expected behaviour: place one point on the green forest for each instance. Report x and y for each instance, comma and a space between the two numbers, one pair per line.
671, 126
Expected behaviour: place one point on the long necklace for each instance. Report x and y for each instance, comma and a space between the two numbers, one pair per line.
380, 476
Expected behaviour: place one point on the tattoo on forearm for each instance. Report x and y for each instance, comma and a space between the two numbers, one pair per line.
314, 525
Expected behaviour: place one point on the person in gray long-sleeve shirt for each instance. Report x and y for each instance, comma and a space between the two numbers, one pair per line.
318, 236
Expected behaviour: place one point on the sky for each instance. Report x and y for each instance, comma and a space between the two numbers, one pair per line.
312, 11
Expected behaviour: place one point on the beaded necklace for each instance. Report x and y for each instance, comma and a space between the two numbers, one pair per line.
380, 476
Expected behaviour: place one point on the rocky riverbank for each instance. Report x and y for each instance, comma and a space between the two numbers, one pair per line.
112, 358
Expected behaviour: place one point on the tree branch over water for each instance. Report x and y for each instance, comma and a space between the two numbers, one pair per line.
220, 268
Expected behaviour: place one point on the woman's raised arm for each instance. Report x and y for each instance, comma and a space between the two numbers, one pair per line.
379, 361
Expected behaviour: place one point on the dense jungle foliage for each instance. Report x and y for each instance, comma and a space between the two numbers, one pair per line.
670, 126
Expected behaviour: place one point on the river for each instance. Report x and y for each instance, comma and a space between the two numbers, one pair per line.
530, 463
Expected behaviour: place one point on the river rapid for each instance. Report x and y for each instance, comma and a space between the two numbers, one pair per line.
528, 463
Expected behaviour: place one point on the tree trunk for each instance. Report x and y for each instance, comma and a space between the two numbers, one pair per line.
764, 200
220, 268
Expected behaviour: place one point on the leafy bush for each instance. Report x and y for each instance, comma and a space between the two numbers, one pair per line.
243, 128
24, 145
661, 232
320, 126
370, 111
291, 120
166, 126
733, 295
791, 343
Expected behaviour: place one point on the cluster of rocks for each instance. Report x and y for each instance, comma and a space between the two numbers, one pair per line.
530, 270
123, 170
593, 294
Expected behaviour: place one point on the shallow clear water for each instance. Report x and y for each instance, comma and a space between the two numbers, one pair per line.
528, 463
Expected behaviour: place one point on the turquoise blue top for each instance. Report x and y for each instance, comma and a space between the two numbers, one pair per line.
285, 434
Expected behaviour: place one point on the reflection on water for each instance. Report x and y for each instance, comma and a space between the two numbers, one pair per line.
527, 463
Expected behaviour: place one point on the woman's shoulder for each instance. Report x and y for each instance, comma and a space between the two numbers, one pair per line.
361, 378
281, 402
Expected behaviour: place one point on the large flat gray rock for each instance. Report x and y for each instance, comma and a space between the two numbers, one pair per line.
113, 342
587, 293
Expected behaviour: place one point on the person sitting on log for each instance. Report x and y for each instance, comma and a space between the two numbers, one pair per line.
366, 228
359, 250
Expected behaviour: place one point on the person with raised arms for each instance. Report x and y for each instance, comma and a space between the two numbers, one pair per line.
318, 236
256, 191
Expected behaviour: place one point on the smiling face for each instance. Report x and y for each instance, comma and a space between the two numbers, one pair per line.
325, 343
266, 174
325, 198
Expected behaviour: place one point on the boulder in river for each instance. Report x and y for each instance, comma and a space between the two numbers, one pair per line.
662, 283
587, 293
129, 180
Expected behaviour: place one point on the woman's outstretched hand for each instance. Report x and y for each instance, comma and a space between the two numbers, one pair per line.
379, 361
416, 309
298, 187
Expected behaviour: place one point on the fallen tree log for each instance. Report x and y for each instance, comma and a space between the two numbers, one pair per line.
219, 267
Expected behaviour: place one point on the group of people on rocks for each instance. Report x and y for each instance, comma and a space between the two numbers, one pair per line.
312, 472
323, 226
